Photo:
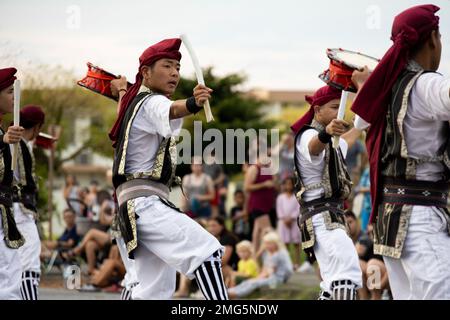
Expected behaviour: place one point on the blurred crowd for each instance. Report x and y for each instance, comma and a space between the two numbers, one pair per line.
254, 218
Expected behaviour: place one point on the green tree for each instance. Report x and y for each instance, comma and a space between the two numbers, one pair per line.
231, 108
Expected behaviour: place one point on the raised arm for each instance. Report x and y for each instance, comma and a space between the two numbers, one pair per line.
334, 128
183, 108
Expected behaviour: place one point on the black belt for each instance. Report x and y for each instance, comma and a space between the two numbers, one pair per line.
311, 208
415, 192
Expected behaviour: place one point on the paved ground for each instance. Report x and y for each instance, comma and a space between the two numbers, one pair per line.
300, 286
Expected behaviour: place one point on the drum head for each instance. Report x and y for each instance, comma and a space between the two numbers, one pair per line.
353, 60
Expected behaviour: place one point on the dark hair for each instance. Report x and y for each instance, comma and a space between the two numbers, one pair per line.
69, 210
103, 195
350, 214
289, 179
221, 221
28, 124
419, 46
238, 191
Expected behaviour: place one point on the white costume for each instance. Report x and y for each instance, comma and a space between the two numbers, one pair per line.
168, 240
10, 271
30, 252
333, 249
423, 271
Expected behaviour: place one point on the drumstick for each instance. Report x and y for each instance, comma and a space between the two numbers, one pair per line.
341, 114
198, 73
16, 122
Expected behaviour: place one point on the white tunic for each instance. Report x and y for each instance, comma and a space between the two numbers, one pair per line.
311, 167
150, 126
30, 252
168, 241
334, 250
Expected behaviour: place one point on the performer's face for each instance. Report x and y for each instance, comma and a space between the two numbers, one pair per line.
7, 100
163, 76
326, 113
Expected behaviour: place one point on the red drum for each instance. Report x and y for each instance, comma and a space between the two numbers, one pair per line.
99, 80
44, 141
342, 64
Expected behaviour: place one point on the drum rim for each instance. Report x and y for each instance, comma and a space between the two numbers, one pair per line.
331, 53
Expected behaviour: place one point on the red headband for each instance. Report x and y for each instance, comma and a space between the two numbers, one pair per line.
168, 49
320, 97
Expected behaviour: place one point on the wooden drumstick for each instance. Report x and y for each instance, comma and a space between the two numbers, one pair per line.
341, 114
198, 73
16, 122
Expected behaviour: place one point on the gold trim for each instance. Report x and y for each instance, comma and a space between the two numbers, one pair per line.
132, 244
310, 231
402, 113
332, 225
13, 244
127, 132
380, 246
22, 175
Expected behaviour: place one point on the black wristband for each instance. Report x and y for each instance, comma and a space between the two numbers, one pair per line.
324, 137
192, 106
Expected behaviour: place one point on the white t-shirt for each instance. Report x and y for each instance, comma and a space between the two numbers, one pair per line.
148, 129
311, 167
423, 126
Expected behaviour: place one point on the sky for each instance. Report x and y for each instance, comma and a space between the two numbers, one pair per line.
278, 45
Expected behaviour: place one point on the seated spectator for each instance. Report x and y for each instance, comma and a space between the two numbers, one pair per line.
216, 226
288, 210
372, 265
199, 190
241, 225
247, 265
66, 241
109, 275
94, 241
277, 268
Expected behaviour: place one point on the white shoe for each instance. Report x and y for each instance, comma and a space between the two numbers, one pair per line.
306, 267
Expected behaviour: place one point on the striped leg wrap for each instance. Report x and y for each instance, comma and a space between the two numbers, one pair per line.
210, 279
343, 290
126, 292
324, 295
30, 284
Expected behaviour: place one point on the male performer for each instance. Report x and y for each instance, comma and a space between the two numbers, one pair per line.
408, 107
324, 184
25, 200
10, 237
162, 239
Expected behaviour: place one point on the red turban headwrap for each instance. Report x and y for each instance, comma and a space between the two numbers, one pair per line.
7, 77
409, 30
321, 97
168, 49
31, 115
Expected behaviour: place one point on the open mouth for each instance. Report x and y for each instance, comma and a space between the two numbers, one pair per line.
174, 83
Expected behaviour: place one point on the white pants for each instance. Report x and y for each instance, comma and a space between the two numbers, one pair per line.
30, 252
130, 278
10, 271
168, 241
423, 271
336, 255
